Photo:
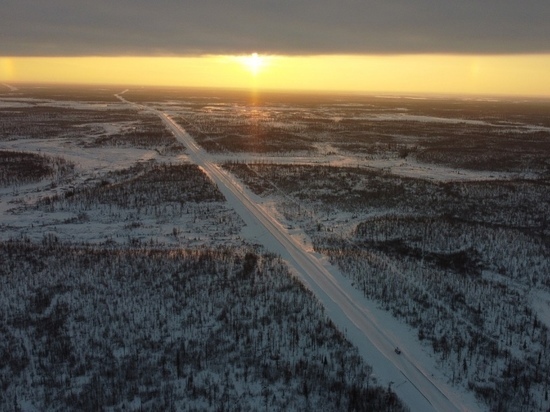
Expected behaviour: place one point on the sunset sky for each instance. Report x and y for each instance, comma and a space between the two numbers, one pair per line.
398, 46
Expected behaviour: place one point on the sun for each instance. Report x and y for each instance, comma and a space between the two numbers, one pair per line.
254, 63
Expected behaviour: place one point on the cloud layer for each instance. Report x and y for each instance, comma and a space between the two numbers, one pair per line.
171, 27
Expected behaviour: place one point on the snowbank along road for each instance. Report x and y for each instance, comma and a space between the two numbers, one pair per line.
366, 326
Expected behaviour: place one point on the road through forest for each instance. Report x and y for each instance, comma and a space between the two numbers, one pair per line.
344, 304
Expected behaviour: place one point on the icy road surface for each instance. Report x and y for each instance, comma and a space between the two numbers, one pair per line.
411, 374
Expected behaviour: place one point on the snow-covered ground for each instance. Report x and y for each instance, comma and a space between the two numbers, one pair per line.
398, 167
412, 375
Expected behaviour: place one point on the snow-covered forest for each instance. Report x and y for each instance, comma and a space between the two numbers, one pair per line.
466, 264
88, 328
449, 234
128, 281
126, 284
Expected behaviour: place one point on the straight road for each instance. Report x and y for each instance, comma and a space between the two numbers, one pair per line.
344, 304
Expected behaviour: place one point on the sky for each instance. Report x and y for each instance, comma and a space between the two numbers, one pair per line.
466, 46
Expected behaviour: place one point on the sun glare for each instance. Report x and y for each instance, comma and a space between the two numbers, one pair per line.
253, 63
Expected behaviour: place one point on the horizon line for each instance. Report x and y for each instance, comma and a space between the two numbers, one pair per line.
319, 92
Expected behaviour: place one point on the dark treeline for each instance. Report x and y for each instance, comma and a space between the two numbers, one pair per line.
18, 168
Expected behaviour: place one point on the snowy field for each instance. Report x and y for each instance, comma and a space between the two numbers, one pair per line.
444, 244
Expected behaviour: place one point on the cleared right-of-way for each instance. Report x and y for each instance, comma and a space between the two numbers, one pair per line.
345, 305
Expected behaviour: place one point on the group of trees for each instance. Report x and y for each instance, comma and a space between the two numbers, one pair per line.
147, 132
17, 168
461, 262
86, 328
468, 292
450, 133
518, 203
148, 203
240, 131
140, 325
145, 185
51, 122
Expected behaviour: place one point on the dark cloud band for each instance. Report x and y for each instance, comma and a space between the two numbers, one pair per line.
171, 27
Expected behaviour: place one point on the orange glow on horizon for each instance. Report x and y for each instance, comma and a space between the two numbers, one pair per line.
527, 75
6, 69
